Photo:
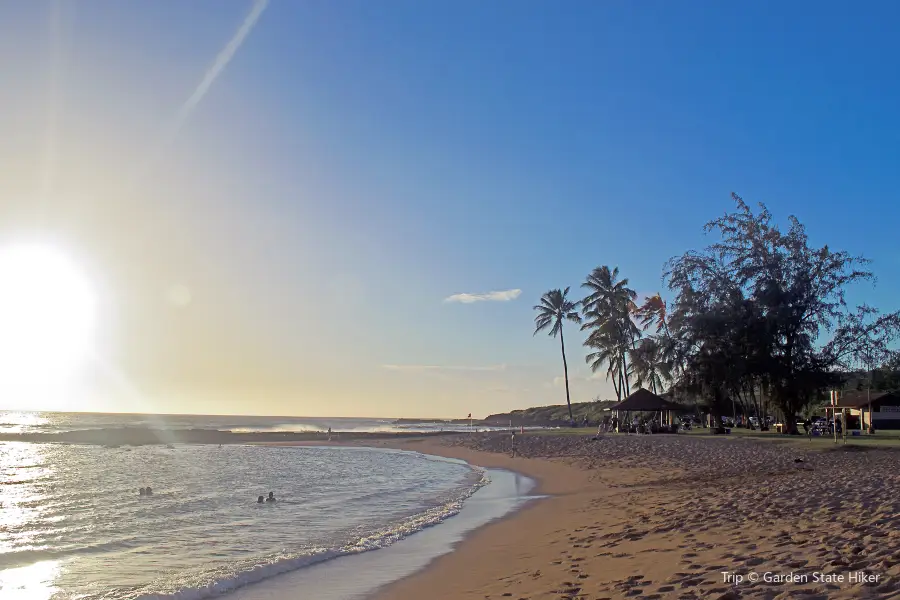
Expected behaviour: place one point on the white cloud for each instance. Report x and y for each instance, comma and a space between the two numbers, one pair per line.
501, 296
427, 368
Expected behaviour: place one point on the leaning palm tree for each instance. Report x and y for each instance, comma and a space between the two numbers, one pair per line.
653, 312
555, 308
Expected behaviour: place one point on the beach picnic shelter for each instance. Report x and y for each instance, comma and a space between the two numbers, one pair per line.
646, 401
879, 408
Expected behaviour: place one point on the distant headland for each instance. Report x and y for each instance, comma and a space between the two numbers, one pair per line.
555, 415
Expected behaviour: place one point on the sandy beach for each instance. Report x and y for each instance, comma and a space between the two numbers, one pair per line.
674, 517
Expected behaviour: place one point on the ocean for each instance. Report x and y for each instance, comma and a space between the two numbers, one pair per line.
74, 526
23, 422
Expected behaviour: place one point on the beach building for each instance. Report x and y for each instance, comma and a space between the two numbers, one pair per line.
881, 409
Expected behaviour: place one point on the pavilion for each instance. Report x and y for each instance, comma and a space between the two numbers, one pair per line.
646, 401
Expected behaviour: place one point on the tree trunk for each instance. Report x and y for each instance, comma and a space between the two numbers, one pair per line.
625, 372
562, 345
616, 387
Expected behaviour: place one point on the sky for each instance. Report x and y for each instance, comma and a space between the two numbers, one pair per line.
350, 208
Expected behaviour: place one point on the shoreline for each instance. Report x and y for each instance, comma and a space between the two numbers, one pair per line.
673, 517
374, 574
656, 516
556, 483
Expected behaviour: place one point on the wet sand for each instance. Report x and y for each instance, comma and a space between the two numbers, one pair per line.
674, 517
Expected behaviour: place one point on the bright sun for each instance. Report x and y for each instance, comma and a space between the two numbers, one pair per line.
47, 314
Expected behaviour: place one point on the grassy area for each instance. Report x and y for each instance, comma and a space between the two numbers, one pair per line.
880, 439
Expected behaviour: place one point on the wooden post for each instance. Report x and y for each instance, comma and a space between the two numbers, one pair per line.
871, 419
833, 413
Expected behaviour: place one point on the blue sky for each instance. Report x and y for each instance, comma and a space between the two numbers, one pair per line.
355, 163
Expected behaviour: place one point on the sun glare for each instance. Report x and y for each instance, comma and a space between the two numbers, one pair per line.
47, 314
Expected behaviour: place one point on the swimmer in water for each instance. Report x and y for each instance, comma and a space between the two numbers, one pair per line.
148, 491
142, 492
259, 500
271, 497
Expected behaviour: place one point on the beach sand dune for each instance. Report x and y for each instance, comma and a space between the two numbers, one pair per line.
676, 517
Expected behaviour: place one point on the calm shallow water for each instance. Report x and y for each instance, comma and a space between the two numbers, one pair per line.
360, 576
74, 526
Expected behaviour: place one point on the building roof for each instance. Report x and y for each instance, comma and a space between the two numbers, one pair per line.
861, 398
645, 400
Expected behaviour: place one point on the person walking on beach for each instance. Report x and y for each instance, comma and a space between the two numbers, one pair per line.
513, 444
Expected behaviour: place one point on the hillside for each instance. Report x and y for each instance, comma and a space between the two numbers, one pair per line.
551, 416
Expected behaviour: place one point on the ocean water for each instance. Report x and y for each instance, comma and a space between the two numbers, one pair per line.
24, 422
72, 524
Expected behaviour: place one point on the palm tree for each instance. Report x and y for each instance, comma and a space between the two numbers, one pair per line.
653, 312
607, 350
608, 309
555, 308
650, 365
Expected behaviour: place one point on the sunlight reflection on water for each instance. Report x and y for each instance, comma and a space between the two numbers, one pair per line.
21, 421
22, 466
32, 582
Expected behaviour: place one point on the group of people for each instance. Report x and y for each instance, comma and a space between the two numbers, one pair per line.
148, 491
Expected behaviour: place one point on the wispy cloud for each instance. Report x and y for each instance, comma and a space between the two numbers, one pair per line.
501, 296
428, 368
224, 57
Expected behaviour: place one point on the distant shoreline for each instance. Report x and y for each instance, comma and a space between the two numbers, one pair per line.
136, 436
